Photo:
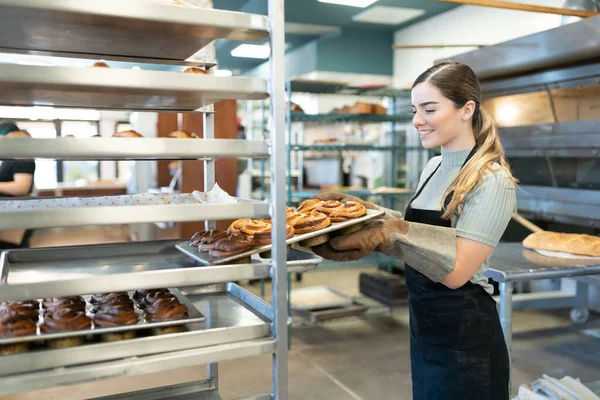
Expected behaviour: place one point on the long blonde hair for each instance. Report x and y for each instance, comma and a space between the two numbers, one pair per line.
458, 83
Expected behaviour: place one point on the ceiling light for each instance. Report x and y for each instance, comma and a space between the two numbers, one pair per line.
388, 15
136, 68
223, 72
252, 51
351, 3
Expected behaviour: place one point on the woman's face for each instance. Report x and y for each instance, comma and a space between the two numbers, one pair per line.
438, 121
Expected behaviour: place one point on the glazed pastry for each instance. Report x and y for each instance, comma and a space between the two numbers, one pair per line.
315, 221
329, 206
14, 324
263, 237
139, 295
100, 64
127, 134
21, 307
209, 242
253, 227
166, 309
109, 315
307, 206
235, 228
231, 246
63, 320
195, 70
108, 297
112, 299
153, 297
348, 210
181, 135
53, 304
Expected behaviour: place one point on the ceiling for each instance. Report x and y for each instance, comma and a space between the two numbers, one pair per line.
337, 18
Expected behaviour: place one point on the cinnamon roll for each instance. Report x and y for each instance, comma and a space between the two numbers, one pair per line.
195, 70
329, 206
235, 228
63, 320
263, 237
312, 223
253, 227
307, 206
348, 210
15, 324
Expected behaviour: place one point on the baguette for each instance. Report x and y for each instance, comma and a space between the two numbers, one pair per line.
574, 243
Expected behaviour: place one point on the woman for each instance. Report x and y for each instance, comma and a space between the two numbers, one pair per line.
16, 180
462, 206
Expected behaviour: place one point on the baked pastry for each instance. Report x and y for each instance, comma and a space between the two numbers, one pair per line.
127, 134
348, 210
329, 206
308, 205
14, 324
139, 295
311, 223
581, 244
166, 309
153, 297
111, 299
52, 304
231, 246
18, 134
208, 242
181, 135
195, 70
64, 320
254, 226
109, 315
100, 64
263, 237
235, 228
22, 307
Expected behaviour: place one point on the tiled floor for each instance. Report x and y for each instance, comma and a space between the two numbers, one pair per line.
364, 358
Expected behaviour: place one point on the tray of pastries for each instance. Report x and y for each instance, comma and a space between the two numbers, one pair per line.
63, 322
311, 224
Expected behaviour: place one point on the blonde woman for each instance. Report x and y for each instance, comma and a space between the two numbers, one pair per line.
462, 206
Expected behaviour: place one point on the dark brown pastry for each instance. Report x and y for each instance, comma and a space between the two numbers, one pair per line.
14, 324
139, 295
53, 304
22, 307
64, 320
111, 298
231, 246
115, 315
166, 309
209, 242
153, 297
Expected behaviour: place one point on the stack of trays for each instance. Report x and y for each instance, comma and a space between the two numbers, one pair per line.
384, 287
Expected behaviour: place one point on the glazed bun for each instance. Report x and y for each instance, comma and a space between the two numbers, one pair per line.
181, 135
195, 70
127, 134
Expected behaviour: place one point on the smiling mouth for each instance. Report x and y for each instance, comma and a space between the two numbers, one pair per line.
425, 132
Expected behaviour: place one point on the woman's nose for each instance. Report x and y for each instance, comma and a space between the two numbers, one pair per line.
418, 120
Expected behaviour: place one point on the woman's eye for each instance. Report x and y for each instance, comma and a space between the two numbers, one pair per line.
414, 111
429, 111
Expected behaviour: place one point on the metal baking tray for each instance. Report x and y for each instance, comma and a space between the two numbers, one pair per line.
121, 89
123, 29
119, 267
317, 316
232, 315
193, 316
51, 218
207, 259
318, 298
131, 148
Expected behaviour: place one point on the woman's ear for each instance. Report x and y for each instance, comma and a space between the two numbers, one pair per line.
468, 110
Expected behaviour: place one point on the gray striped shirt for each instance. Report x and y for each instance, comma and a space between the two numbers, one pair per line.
486, 211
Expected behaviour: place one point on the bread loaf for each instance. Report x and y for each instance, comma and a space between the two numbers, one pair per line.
574, 243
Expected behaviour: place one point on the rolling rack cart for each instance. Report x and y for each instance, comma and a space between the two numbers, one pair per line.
236, 324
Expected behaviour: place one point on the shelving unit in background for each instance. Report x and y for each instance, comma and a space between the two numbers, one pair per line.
237, 324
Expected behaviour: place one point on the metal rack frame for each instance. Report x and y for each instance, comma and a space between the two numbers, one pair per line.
149, 91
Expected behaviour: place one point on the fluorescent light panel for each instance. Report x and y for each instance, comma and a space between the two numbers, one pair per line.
252, 51
387, 15
223, 72
351, 3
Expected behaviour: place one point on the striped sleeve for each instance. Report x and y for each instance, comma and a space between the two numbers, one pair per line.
488, 209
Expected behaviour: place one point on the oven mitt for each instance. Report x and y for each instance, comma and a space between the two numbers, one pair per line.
341, 197
429, 249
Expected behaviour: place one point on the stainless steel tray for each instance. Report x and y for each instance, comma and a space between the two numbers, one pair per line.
120, 267
131, 148
107, 88
318, 298
193, 316
232, 315
51, 218
126, 29
207, 259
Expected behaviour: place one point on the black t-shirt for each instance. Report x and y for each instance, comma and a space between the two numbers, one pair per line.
8, 169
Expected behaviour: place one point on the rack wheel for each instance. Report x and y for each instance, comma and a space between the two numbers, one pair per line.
298, 276
579, 315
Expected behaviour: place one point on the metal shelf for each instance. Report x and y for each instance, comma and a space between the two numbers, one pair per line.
306, 194
23, 219
350, 147
120, 267
340, 88
131, 148
364, 118
106, 88
183, 391
125, 29
236, 326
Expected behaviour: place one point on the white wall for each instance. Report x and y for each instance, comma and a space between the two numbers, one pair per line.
465, 25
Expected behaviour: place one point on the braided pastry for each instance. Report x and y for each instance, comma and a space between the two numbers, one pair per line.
115, 315
153, 297
348, 210
308, 205
236, 226
65, 319
231, 246
166, 309
208, 242
310, 223
139, 295
21, 307
13, 323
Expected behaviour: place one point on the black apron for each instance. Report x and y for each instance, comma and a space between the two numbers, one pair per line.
457, 348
